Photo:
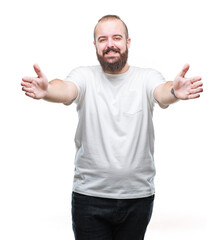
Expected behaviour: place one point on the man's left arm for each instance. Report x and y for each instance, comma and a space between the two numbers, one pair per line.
181, 88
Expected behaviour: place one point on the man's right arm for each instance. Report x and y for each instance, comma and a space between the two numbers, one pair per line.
55, 91
61, 92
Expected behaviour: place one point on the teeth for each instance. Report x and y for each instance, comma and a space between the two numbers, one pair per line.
111, 52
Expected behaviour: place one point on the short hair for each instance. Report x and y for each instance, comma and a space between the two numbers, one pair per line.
111, 17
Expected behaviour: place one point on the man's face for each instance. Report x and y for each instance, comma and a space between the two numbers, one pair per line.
111, 45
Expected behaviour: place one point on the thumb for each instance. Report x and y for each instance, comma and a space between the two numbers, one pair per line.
38, 70
184, 70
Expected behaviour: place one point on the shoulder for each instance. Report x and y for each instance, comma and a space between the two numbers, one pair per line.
86, 69
147, 74
83, 72
149, 77
146, 71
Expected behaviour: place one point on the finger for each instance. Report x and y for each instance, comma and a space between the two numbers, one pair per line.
28, 79
26, 84
184, 70
195, 79
25, 89
196, 90
38, 70
30, 94
196, 85
193, 96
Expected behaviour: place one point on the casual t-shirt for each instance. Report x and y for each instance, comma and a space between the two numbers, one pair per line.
115, 136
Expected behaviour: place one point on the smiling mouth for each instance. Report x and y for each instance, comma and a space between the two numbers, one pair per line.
111, 51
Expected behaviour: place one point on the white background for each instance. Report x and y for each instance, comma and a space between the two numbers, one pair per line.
37, 148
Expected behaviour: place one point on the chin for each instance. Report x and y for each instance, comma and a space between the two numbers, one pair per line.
111, 60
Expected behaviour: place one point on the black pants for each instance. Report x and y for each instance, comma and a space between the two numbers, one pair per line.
97, 218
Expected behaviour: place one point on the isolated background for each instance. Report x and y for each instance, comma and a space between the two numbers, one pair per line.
37, 147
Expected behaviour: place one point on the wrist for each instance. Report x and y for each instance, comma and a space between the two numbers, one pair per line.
173, 93
46, 93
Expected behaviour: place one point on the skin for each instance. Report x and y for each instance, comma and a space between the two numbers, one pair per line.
110, 33
54, 91
184, 88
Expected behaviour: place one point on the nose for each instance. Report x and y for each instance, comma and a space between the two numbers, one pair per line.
110, 42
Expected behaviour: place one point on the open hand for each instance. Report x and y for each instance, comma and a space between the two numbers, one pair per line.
187, 88
35, 87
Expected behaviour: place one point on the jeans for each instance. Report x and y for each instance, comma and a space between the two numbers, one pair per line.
95, 218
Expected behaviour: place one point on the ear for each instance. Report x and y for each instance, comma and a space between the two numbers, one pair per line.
128, 42
94, 44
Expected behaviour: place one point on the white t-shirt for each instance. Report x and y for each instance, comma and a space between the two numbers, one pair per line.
115, 135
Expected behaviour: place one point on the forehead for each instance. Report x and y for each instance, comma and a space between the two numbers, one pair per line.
110, 27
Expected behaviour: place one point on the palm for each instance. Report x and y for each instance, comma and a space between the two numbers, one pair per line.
187, 88
35, 87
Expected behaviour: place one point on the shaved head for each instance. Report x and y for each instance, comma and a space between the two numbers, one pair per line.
111, 17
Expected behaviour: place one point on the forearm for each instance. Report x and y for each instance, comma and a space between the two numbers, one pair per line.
61, 91
163, 94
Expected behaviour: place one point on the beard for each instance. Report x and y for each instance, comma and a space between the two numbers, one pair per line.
116, 66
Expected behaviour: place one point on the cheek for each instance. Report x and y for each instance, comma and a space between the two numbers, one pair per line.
122, 49
100, 48
121, 46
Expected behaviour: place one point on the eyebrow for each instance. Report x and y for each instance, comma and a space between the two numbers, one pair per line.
115, 35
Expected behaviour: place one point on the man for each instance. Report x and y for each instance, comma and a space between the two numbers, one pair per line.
113, 189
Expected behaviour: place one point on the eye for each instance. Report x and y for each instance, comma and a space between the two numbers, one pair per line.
102, 40
117, 38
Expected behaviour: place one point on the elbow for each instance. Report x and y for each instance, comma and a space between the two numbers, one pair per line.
163, 106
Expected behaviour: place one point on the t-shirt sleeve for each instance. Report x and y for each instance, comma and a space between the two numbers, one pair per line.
154, 79
78, 78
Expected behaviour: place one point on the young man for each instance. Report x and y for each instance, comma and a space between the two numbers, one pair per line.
113, 189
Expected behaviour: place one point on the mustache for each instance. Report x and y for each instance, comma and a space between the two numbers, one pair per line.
111, 49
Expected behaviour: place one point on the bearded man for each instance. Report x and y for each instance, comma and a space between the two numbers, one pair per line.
113, 191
